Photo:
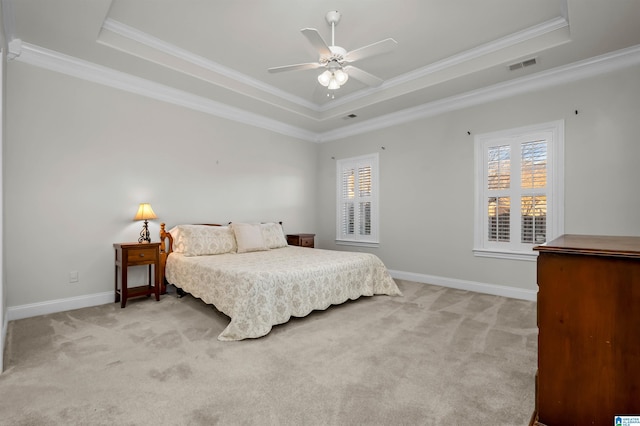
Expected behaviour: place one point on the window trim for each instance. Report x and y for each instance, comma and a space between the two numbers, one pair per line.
554, 192
374, 160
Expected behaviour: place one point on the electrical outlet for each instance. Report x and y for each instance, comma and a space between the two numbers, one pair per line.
73, 277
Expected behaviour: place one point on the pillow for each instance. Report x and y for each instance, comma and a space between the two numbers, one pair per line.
201, 240
273, 235
249, 237
175, 234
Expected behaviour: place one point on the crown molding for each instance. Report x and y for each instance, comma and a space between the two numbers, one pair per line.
191, 59
14, 49
458, 59
65, 64
566, 74
188, 57
58, 62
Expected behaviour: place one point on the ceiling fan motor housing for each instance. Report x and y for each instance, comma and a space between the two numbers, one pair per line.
333, 17
337, 54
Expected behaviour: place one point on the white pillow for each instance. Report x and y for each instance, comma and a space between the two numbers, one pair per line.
201, 240
273, 235
175, 235
249, 237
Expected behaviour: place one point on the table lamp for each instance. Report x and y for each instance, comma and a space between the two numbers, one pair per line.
145, 212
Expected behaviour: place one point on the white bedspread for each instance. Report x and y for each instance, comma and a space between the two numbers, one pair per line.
261, 289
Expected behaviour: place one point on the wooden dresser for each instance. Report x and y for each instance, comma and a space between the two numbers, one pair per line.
589, 330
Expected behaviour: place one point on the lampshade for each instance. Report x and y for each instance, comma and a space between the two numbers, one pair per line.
145, 212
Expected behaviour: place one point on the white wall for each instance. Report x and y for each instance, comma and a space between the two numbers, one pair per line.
427, 177
81, 156
3, 291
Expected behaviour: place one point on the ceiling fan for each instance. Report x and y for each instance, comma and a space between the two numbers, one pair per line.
336, 60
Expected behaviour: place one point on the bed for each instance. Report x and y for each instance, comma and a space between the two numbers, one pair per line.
249, 273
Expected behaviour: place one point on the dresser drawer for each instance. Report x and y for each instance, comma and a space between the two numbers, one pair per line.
306, 242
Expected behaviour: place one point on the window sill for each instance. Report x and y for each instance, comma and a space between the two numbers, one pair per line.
504, 254
357, 243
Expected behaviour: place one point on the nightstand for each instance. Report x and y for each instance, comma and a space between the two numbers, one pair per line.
302, 240
136, 254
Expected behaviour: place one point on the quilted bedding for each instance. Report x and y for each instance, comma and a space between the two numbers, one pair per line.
260, 289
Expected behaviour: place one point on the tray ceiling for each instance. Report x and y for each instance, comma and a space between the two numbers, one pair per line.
215, 54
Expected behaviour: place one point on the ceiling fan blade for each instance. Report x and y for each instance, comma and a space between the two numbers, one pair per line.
296, 67
382, 46
317, 41
363, 76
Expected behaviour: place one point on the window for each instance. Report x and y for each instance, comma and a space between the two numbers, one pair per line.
357, 203
519, 190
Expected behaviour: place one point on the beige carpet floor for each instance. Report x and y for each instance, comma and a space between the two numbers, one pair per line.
435, 356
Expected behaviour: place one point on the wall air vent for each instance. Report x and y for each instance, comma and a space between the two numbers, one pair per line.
349, 117
522, 64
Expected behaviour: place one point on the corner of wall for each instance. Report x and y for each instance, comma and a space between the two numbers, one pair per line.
3, 298
3, 341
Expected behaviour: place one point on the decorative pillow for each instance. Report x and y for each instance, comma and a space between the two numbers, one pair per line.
201, 240
273, 235
249, 237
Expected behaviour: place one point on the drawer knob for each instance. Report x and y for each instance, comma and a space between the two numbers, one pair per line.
141, 254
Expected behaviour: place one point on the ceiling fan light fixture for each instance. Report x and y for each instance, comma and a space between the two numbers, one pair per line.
333, 84
333, 79
325, 78
341, 76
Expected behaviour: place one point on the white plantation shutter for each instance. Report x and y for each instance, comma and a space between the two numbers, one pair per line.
533, 199
348, 219
519, 189
357, 199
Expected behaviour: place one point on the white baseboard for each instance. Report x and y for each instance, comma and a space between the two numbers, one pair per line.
497, 290
61, 305
58, 305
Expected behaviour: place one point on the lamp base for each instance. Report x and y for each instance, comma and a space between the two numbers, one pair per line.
145, 236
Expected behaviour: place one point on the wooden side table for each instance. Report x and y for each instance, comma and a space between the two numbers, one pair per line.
135, 254
302, 240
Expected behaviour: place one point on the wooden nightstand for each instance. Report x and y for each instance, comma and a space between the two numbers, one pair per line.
302, 240
135, 254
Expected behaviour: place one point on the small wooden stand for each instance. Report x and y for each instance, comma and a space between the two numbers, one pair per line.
135, 254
